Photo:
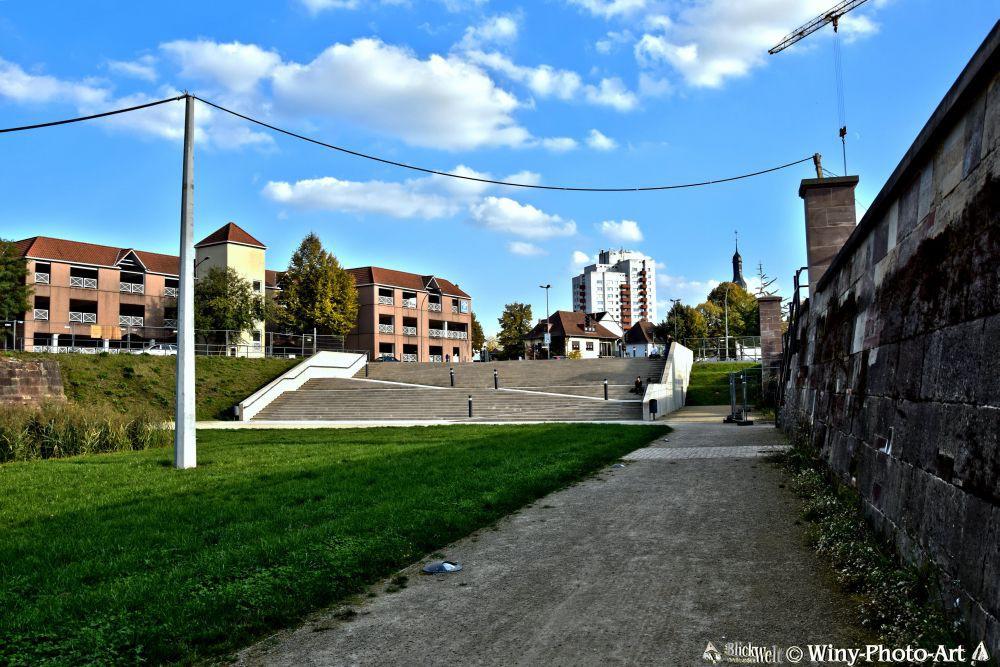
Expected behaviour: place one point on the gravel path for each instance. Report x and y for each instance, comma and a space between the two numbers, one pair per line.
643, 564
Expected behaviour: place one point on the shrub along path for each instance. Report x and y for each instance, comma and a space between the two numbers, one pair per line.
119, 558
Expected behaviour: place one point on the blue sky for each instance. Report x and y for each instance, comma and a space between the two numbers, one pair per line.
581, 92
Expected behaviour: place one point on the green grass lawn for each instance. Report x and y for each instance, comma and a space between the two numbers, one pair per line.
119, 558
709, 383
121, 381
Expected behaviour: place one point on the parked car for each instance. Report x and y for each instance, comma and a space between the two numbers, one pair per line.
385, 357
160, 349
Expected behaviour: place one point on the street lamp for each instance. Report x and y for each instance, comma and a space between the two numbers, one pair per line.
548, 335
199, 263
676, 303
726, 303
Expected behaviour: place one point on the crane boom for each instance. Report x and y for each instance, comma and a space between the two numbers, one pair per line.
830, 16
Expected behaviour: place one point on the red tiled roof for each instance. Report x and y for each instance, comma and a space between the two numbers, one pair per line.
271, 278
571, 322
368, 275
641, 332
229, 233
78, 252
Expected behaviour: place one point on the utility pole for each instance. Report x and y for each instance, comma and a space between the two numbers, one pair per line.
676, 303
548, 334
185, 453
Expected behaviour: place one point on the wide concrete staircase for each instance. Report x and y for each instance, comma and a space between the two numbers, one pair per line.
558, 390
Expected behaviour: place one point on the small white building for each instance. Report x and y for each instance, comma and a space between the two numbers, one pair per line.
571, 333
641, 340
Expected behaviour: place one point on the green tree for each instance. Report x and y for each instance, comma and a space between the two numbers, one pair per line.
744, 316
515, 323
317, 292
682, 323
15, 294
225, 300
478, 337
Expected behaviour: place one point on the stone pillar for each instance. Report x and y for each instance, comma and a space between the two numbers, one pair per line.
830, 219
770, 330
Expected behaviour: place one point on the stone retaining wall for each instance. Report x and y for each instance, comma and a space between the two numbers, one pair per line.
29, 382
896, 367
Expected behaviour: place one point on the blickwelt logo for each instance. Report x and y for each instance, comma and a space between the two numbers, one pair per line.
748, 653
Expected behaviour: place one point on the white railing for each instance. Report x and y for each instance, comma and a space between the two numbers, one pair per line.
409, 303
436, 333
169, 322
41, 278
409, 357
169, 291
129, 321
386, 328
409, 331
435, 357
85, 283
454, 309
41, 314
385, 300
132, 288
434, 306
458, 334
83, 318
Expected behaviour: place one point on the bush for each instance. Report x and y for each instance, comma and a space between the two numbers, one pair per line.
58, 430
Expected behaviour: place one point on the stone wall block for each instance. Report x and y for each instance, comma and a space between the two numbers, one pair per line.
909, 367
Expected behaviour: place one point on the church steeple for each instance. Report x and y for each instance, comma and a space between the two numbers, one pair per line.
738, 265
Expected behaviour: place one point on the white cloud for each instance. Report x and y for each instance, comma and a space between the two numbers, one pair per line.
141, 68
559, 144
524, 249
580, 259
611, 93
612, 40
626, 231
20, 86
317, 6
610, 8
690, 292
235, 66
528, 178
600, 142
494, 30
438, 102
506, 215
712, 41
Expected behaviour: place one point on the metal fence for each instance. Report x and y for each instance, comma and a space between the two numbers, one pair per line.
162, 341
734, 348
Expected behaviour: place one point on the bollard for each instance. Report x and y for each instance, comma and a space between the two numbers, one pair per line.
366, 368
470, 406
605, 389
452, 372
496, 379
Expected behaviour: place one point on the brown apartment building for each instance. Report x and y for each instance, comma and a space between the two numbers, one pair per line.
411, 317
96, 296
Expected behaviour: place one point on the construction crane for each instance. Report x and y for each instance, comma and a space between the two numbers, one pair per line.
831, 16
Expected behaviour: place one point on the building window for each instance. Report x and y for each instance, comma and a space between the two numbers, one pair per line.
590, 346
256, 286
576, 346
464, 306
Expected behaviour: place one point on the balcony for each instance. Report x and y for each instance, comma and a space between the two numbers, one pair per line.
460, 335
434, 306
409, 331
85, 283
385, 300
437, 333
386, 328
170, 291
83, 318
129, 321
409, 303
454, 309
132, 288
408, 357
435, 357
172, 323
40, 314
41, 278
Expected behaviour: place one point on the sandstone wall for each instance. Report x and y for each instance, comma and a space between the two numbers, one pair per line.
24, 382
896, 362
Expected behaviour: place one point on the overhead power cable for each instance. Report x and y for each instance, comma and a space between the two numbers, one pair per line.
92, 116
404, 165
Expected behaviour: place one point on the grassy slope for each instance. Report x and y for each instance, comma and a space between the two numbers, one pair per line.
120, 558
120, 380
710, 382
